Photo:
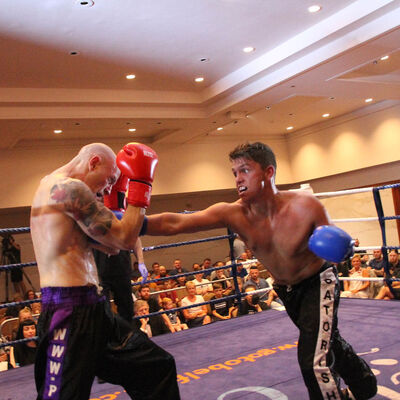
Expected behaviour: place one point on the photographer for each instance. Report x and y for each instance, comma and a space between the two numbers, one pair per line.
11, 254
250, 303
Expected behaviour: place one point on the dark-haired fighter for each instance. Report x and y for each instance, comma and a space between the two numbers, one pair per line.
79, 336
276, 226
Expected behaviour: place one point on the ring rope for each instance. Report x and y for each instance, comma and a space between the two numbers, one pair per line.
177, 244
12, 343
354, 191
20, 265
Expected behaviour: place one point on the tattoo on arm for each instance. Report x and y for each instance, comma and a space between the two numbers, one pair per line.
80, 203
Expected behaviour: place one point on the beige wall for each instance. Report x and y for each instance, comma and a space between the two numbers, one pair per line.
358, 143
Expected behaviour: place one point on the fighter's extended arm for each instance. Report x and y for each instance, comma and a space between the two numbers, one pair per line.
173, 223
74, 198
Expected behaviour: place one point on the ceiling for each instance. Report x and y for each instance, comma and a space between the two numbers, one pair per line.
64, 63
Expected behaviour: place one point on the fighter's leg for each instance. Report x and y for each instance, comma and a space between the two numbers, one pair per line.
311, 307
145, 370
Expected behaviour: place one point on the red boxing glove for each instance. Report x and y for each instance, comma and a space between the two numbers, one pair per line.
138, 162
116, 199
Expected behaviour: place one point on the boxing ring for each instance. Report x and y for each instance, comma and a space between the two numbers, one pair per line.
255, 356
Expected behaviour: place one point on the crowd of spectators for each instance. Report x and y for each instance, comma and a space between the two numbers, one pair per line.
194, 289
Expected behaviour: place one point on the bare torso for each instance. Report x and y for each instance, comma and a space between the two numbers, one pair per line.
62, 252
280, 240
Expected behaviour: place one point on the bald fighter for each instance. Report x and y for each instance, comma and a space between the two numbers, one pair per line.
291, 235
79, 336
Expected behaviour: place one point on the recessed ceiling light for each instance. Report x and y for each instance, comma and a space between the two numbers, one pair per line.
86, 3
268, 107
326, 115
368, 100
384, 58
74, 53
132, 129
199, 79
289, 128
331, 98
315, 8
204, 59
248, 49
131, 76
57, 131
220, 128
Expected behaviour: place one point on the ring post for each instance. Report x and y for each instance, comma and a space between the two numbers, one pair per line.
379, 210
234, 267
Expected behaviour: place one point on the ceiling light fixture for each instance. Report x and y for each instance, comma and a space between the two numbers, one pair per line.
220, 128
57, 131
204, 59
326, 115
74, 53
315, 8
289, 128
268, 107
87, 3
199, 79
131, 76
368, 100
248, 49
132, 129
384, 58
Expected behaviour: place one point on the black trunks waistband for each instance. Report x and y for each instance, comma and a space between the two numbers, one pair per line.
323, 268
72, 295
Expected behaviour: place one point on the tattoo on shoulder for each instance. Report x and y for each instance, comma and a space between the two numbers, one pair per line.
82, 205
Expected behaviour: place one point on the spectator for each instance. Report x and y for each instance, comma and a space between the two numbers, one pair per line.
145, 294
155, 270
203, 286
36, 308
223, 309
241, 270
205, 265
22, 354
377, 262
135, 273
12, 254
181, 288
4, 360
13, 311
151, 326
359, 289
173, 316
343, 271
394, 263
259, 283
214, 273
178, 269
356, 245
171, 294
23, 315
239, 247
195, 316
152, 301
226, 284
250, 303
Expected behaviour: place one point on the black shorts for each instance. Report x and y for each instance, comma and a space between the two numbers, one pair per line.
80, 338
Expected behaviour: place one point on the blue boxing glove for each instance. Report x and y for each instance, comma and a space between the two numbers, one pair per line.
331, 243
143, 271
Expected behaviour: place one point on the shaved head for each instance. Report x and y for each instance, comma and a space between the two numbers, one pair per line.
96, 149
